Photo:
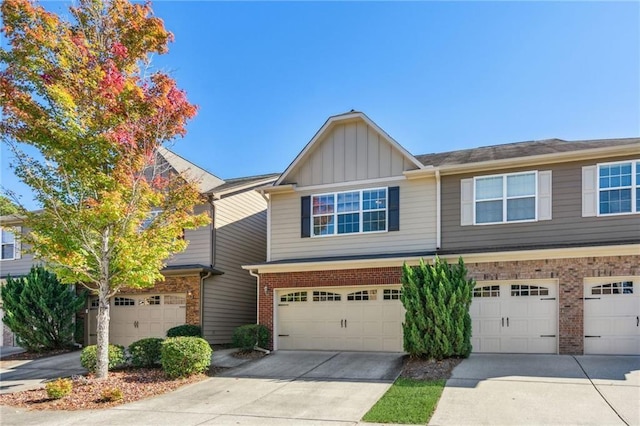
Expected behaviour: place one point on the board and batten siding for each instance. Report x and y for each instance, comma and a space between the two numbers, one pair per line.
567, 225
349, 152
229, 300
199, 249
417, 225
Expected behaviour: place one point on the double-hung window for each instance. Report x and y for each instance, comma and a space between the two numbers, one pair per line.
349, 212
505, 198
619, 187
8, 247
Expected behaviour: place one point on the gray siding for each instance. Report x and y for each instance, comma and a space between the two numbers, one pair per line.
567, 225
349, 152
417, 225
18, 267
199, 249
229, 300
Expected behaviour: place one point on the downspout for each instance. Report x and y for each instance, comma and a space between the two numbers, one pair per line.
268, 200
212, 259
257, 276
438, 213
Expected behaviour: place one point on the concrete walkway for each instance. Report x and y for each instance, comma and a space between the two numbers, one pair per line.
312, 388
492, 389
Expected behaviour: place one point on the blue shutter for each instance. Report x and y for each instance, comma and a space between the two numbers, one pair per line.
305, 217
394, 208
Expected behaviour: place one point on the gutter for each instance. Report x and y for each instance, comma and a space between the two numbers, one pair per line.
257, 276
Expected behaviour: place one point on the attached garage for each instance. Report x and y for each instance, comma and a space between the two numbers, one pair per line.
136, 316
612, 316
515, 317
340, 318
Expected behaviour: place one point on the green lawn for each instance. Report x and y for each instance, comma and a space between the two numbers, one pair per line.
407, 401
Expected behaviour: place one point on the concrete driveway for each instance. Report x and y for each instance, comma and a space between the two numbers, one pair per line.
284, 388
23, 375
542, 390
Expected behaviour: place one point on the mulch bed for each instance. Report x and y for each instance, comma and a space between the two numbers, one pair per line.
429, 369
135, 384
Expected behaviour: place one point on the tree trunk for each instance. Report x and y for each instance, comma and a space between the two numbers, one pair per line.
102, 355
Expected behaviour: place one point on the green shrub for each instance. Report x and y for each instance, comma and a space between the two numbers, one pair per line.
185, 356
247, 336
111, 395
437, 300
89, 359
59, 388
40, 310
145, 352
185, 330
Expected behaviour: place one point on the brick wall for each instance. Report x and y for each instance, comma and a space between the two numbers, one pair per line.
173, 284
569, 272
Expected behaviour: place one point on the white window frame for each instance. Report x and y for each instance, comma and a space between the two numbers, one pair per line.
360, 212
635, 165
505, 197
13, 257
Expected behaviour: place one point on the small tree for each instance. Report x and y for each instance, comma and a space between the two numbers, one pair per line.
39, 310
437, 300
78, 89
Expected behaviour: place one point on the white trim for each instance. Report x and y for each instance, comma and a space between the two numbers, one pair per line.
635, 209
360, 212
329, 124
268, 228
349, 183
505, 256
4, 229
505, 198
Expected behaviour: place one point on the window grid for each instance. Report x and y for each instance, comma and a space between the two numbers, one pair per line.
619, 188
298, 296
623, 287
528, 290
151, 300
175, 300
326, 296
487, 291
124, 301
391, 294
8, 245
349, 212
507, 205
362, 295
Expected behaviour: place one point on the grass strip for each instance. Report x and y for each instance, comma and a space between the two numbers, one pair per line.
407, 401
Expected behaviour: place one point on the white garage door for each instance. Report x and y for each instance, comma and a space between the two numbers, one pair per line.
612, 316
134, 317
514, 317
355, 318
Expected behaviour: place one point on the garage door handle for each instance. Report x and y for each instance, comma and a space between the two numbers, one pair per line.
341, 323
503, 321
587, 337
345, 323
507, 321
637, 321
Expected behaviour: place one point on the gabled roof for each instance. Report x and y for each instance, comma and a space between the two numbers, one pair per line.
328, 125
205, 181
242, 183
519, 150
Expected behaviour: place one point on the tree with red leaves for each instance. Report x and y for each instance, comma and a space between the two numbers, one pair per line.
80, 91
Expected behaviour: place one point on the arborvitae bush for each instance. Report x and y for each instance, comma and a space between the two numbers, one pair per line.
437, 300
185, 356
247, 336
40, 310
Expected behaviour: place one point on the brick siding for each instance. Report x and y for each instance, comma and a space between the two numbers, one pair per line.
569, 272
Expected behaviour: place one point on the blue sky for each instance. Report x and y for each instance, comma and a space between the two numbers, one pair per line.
437, 76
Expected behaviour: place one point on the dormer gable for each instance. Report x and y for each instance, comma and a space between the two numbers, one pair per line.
348, 148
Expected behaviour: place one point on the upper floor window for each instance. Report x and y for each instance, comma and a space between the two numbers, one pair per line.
150, 218
349, 212
505, 198
619, 187
8, 248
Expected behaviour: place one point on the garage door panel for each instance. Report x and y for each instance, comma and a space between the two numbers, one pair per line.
512, 317
357, 318
611, 310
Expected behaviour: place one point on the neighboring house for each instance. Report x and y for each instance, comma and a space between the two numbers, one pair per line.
12, 262
549, 229
204, 285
